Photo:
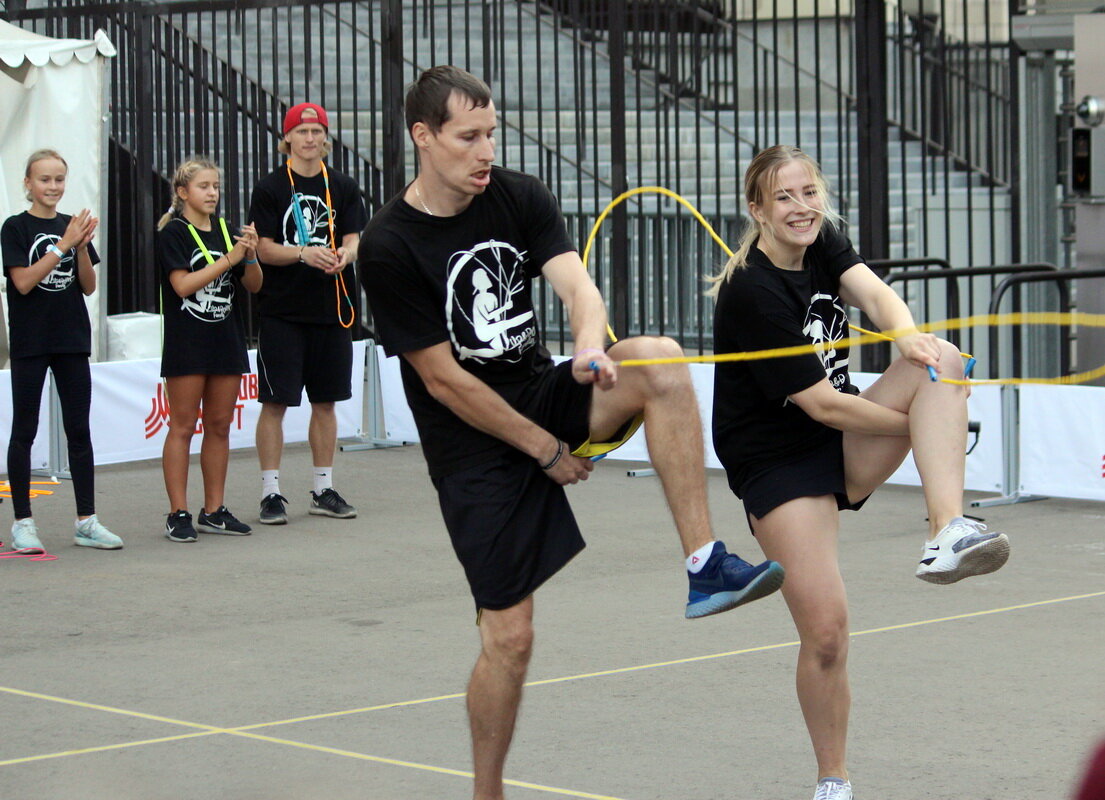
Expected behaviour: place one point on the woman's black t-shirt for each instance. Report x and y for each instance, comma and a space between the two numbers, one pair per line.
755, 425
204, 332
465, 280
297, 292
52, 317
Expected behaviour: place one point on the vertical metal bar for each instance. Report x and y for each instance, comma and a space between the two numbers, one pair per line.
393, 96
620, 250
874, 221
144, 157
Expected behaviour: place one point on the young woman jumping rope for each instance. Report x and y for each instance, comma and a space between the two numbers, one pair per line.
799, 443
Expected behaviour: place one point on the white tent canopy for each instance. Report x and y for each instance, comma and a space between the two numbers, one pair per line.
52, 94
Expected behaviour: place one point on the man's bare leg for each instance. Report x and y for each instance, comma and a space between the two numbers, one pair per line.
673, 430
495, 692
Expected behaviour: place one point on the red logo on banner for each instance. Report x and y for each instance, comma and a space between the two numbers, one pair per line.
158, 417
1103, 466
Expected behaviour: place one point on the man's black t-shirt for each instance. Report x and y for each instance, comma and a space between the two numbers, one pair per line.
761, 307
52, 317
297, 292
204, 332
465, 280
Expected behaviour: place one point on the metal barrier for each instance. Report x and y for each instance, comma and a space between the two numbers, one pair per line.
593, 98
1010, 400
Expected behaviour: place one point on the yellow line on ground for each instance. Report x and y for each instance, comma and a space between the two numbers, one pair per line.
111, 709
245, 731
414, 765
103, 748
330, 714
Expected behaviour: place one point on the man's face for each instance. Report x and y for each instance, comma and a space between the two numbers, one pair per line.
461, 153
306, 140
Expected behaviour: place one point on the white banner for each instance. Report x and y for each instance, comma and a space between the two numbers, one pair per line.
983, 465
130, 413
1062, 443
40, 450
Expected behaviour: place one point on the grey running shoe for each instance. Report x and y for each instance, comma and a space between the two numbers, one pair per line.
331, 504
272, 510
221, 521
962, 549
91, 533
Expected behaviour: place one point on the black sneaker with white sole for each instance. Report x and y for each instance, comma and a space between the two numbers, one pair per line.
331, 504
221, 521
178, 527
272, 510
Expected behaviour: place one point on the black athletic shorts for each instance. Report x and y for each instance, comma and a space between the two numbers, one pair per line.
292, 356
817, 472
511, 525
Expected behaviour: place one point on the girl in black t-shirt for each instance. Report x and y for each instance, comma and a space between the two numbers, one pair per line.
48, 261
799, 443
204, 350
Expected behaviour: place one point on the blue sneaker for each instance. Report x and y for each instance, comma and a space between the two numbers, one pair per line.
727, 581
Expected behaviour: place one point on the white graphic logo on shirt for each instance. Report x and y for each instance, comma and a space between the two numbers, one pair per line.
479, 303
316, 218
213, 302
825, 325
61, 276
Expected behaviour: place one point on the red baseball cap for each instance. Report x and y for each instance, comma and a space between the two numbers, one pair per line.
294, 117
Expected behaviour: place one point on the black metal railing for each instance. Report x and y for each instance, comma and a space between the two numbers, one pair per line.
594, 98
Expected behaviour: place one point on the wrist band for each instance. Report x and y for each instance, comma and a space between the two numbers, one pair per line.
556, 458
249, 261
598, 350
53, 248
302, 247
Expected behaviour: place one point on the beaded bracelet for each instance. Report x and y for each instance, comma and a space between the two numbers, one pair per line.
556, 458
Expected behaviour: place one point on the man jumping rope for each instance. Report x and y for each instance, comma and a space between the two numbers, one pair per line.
446, 264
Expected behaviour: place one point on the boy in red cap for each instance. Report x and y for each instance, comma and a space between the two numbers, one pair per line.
308, 220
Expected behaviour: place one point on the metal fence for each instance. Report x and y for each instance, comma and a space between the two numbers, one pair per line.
594, 98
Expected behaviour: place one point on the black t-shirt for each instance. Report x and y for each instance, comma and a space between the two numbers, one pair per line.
52, 317
761, 307
297, 292
465, 280
204, 332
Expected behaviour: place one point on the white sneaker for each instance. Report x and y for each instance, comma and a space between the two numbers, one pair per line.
833, 789
90, 533
25, 536
962, 549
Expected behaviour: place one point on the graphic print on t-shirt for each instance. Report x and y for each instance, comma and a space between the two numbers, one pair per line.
825, 325
63, 274
213, 302
479, 303
316, 221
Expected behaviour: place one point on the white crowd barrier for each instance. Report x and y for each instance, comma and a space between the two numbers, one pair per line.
130, 412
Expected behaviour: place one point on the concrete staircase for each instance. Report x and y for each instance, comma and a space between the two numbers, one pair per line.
701, 154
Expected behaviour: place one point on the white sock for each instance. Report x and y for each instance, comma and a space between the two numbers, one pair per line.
323, 479
270, 482
697, 560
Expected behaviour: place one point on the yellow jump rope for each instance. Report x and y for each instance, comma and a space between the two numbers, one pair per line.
866, 336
